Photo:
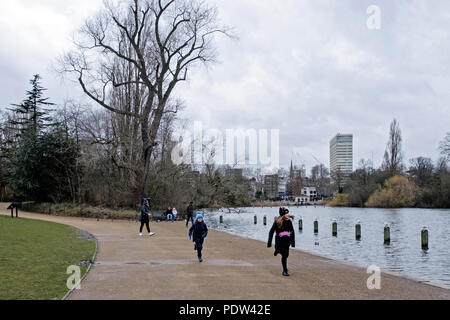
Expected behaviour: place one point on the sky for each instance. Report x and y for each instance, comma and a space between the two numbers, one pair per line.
310, 68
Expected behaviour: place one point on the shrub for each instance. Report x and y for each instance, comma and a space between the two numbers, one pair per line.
397, 192
341, 200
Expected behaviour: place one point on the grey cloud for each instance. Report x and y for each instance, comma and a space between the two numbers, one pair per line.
310, 68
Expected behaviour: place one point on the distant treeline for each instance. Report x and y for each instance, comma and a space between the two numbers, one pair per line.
395, 185
73, 153
78, 154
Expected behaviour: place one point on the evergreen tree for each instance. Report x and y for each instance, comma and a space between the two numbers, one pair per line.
32, 114
44, 168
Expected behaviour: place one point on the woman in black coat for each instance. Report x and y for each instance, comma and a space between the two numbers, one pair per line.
285, 237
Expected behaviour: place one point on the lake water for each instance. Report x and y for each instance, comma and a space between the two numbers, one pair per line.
403, 255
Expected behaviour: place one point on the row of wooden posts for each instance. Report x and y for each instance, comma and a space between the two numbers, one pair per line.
358, 234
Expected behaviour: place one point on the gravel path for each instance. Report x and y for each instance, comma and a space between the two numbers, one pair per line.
165, 267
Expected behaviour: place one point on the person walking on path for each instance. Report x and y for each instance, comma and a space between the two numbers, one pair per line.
285, 237
198, 233
190, 214
144, 218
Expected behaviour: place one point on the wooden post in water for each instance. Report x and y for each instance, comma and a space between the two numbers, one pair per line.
256, 219
387, 234
425, 238
316, 226
265, 220
221, 219
334, 228
300, 224
358, 230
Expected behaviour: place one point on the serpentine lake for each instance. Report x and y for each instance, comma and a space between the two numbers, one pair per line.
404, 253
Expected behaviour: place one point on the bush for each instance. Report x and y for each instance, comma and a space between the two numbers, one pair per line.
341, 200
70, 210
397, 192
28, 206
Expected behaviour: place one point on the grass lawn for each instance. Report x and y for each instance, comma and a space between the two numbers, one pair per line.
35, 255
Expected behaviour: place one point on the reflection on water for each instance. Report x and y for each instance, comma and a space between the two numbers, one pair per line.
403, 254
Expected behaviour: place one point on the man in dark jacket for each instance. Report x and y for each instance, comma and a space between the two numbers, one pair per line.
198, 233
145, 218
190, 214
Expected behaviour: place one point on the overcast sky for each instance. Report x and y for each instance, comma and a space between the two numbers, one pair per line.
309, 68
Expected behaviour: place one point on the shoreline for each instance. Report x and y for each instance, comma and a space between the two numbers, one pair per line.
354, 264
122, 272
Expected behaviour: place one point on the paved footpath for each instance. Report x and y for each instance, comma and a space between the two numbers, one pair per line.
165, 267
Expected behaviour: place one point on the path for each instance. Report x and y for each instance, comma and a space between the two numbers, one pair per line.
165, 267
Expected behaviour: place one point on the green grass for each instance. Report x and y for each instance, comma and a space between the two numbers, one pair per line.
35, 255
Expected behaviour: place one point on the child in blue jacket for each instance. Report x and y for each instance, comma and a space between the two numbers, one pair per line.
198, 233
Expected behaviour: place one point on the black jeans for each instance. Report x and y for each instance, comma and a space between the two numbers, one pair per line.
146, 223
189, 217
284, 256
199, 247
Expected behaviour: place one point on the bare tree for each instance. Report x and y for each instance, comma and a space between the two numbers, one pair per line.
338, 179
393, 157
361, 184
421, 170
320, 177
142, 48
445, 147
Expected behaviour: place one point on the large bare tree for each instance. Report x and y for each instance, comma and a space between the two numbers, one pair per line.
445, 147
136, 52
393, 157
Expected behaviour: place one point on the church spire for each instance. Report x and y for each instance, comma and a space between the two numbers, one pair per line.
291, 173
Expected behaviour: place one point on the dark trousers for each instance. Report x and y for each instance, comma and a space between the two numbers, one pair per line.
199, 247
189, 217
147, 224
284, 256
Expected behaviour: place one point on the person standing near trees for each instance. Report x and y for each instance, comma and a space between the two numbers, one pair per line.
145, 218
190, 214
285, 237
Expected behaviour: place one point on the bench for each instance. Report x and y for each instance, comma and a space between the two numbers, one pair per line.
158, 215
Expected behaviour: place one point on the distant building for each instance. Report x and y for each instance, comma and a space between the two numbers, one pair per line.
301, 199
341, 157
282, 183
271, 186
282, 186
309, 195
294, 183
